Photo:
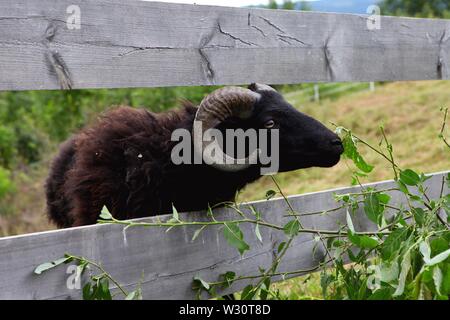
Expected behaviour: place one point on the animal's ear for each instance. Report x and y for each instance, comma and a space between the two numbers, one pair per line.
253, 86
260, 87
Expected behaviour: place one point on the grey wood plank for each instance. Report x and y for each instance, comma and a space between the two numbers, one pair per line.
170, 260
150, 44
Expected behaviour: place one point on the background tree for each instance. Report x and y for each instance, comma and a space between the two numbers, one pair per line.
272, 4
288, 5
416, 8
304, 6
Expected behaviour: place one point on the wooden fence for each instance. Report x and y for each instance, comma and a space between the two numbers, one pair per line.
142, 44
147, 44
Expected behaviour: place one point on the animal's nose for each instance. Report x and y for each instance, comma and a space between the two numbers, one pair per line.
337, 143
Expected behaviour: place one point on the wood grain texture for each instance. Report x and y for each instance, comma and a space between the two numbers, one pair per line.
170, 260
150, 44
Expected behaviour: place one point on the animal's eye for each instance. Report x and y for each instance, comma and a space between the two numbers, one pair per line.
269, 124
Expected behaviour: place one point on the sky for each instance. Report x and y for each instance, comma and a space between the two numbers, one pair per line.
348, 6
227, 3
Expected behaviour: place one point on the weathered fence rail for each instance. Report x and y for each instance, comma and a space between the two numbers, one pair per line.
147, 44
170, 260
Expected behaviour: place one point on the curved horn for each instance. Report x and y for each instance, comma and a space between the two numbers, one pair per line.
215, 108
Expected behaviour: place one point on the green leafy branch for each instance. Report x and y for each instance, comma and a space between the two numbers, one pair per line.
98, 288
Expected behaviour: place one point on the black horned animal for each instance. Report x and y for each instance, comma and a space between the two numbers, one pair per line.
123, 161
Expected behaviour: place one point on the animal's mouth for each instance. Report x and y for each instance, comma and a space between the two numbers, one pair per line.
303, 161
330, 162
333, 157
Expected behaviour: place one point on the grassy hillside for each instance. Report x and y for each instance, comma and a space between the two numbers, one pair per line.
409, 112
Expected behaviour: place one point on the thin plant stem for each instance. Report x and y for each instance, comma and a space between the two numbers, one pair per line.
444, 123
103, 271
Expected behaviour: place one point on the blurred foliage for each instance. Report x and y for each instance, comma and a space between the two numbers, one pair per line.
416, 8
30, 120
288, 5
33, 121
6, 185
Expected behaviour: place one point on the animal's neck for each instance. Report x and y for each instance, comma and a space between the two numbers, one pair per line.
201, 179
204, 182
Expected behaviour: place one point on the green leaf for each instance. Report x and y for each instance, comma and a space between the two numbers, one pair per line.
363, 242
389, 271
424, 178
96, 293
415, 198
367, 242
439, 245
203, 284
362, 165
292, 228
248, 293
351, 152
403, 188
350, 223
393, 243
258, 233
325, 281
409, 177
228, 277
437, 278
446, 280
381, 294
446, 205
372, 207
439, 258
175, 214
134, 295
87, 294
235, 237
425, 250
104, 289
49, 265
351, 255
384, 198
419, 216
105, 215
405, 267
264, 289
210, 213
197, 232
281, 246
81, 268
256, 213
270, 194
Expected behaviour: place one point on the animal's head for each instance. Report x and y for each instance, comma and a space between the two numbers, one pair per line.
303, 141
